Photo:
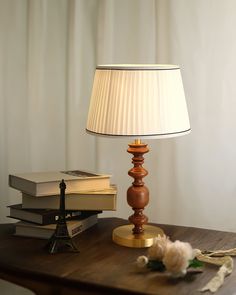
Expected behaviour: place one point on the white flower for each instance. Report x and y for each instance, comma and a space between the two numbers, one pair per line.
142, 261
176, 258
158, 249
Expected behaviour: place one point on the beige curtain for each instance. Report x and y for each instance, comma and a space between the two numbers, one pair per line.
48, 53
47, 58
191, 179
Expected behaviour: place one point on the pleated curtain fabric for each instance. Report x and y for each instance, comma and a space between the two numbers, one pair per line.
138, 101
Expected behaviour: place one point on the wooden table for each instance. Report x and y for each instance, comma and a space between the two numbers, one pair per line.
103, 267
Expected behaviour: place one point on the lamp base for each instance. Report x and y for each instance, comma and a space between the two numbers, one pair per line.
123, 236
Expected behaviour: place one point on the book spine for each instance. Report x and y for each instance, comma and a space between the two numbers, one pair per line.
84, 202
85, 224
46, 233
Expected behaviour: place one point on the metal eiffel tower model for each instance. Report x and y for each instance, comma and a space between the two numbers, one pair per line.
60, 240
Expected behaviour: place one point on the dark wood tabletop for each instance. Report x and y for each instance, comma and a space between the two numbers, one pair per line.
103, 267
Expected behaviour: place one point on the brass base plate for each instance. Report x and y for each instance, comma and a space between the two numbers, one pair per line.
124, 236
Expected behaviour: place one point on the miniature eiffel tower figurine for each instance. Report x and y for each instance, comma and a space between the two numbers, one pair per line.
60, 240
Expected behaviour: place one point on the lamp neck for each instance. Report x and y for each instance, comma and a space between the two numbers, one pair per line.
137, 141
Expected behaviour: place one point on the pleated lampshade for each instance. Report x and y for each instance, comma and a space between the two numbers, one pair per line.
141, 101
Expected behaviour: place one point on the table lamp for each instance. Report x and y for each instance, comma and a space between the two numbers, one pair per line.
139, 102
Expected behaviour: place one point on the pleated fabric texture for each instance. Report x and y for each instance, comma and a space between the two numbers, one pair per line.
138, 101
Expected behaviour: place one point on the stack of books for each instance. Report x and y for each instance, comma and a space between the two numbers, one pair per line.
87, 194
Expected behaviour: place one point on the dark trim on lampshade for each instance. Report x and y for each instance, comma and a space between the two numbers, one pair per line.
135, 68
139, 135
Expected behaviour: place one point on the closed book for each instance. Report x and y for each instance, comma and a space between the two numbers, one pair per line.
47, 183
94, 200
43, 216
74, 227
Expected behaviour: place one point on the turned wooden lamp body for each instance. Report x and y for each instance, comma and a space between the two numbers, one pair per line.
139, 102
138, 194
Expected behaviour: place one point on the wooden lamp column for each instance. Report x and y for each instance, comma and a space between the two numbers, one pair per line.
138, 235
138, 194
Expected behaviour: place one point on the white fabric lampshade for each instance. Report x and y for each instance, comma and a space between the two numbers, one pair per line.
141, 101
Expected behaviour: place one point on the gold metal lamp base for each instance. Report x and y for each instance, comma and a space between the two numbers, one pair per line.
123, 236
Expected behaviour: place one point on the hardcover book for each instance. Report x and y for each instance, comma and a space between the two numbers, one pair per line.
44, 216
47, 183
75, 227
90, 200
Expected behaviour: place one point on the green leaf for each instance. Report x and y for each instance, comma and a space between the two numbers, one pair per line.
195, 263
156, 265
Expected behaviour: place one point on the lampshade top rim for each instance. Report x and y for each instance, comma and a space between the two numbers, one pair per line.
128, 67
